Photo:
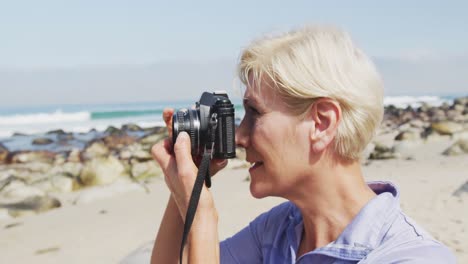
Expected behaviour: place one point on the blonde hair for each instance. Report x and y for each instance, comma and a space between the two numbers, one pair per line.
318, 62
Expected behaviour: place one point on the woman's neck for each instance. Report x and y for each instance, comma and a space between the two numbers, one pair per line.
329, 201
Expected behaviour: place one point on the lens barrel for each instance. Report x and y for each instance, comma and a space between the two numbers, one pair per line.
188, 121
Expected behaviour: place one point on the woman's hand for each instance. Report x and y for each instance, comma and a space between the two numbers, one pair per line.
215, 165
180, 170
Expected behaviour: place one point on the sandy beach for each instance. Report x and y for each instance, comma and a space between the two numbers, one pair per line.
108, 229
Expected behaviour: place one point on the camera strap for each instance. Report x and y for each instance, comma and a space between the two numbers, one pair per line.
203, 177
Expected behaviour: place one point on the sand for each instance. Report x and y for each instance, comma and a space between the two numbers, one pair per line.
107, 230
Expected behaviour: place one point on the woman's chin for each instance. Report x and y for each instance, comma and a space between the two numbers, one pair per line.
257, 191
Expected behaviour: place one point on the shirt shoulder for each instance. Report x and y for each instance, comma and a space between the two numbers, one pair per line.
413, 252
407, 242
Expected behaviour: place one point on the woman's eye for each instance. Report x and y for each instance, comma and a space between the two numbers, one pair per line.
253, 110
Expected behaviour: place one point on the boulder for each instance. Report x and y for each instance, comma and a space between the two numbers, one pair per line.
70, 169
144, 170
56, 132
458, 148
32, 156
3, 154
18, 190
446, 127
3, 148
135, 151
151, 139
408, 135
131, 127
35, 204
101, 171
111, 130
118, 141
463, 189
95, 149
382, 151
42, 141
74, 156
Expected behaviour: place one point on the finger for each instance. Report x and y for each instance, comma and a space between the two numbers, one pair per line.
161, 152
217, 165
167, 117
182, 151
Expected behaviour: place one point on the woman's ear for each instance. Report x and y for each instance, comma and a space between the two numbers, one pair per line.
326, 115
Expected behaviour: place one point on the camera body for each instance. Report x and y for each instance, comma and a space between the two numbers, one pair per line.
214, 113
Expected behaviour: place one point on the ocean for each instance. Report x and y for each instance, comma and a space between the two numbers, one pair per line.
37, 120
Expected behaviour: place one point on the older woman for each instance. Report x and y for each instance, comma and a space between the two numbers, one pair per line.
313, 102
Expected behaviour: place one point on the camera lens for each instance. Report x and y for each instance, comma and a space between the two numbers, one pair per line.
188, 121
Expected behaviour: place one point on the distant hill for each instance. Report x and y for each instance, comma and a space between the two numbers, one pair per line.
186, 80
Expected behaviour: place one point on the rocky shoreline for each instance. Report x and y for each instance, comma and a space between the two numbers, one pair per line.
61, 162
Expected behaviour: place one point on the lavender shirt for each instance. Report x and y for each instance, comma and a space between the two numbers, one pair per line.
380, 233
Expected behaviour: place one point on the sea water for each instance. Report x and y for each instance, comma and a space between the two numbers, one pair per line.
80, 119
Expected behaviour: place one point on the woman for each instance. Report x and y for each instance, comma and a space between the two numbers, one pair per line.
312, 103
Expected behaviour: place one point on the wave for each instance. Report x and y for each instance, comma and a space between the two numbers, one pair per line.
44, 118
124, 113
414, 101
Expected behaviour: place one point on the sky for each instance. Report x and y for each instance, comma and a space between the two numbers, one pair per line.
113, 51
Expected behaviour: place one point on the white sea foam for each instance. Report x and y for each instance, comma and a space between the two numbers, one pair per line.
44, 118
414, 101
81, 120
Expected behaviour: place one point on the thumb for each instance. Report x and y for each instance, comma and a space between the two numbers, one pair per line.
182, 151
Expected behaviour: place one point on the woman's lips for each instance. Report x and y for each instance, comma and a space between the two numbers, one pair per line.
255, 165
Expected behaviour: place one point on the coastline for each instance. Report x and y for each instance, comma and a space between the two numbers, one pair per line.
99, 201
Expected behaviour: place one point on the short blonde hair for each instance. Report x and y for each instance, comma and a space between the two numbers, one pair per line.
321, 61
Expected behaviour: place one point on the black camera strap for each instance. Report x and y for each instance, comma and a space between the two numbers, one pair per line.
203, 177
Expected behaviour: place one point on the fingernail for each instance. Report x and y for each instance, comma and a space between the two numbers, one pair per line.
182, 137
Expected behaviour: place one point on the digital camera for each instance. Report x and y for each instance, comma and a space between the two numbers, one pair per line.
214, 113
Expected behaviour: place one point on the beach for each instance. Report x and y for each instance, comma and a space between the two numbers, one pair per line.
86, 217
108, 230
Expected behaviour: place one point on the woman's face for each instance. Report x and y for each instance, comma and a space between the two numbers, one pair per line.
276, 143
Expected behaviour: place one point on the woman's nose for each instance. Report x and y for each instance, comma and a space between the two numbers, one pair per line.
242, 135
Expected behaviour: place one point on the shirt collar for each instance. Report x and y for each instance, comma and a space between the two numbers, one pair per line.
366, 230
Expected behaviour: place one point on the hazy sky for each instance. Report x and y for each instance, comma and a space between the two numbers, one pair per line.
56, 37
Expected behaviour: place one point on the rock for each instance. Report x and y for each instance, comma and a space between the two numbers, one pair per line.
3, 154
17, 190
74, 155
151, 139
458, 148
36, 204
446, 128
62, 183
461, 190
135, 151
118, 141
461, 101
408, 135
100, 171
3, 148
144, 170
42, 141
95, 149
102, 192
111, 130
131, 127
417, 123
32, 156
56, 132
70, 169
382, 151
